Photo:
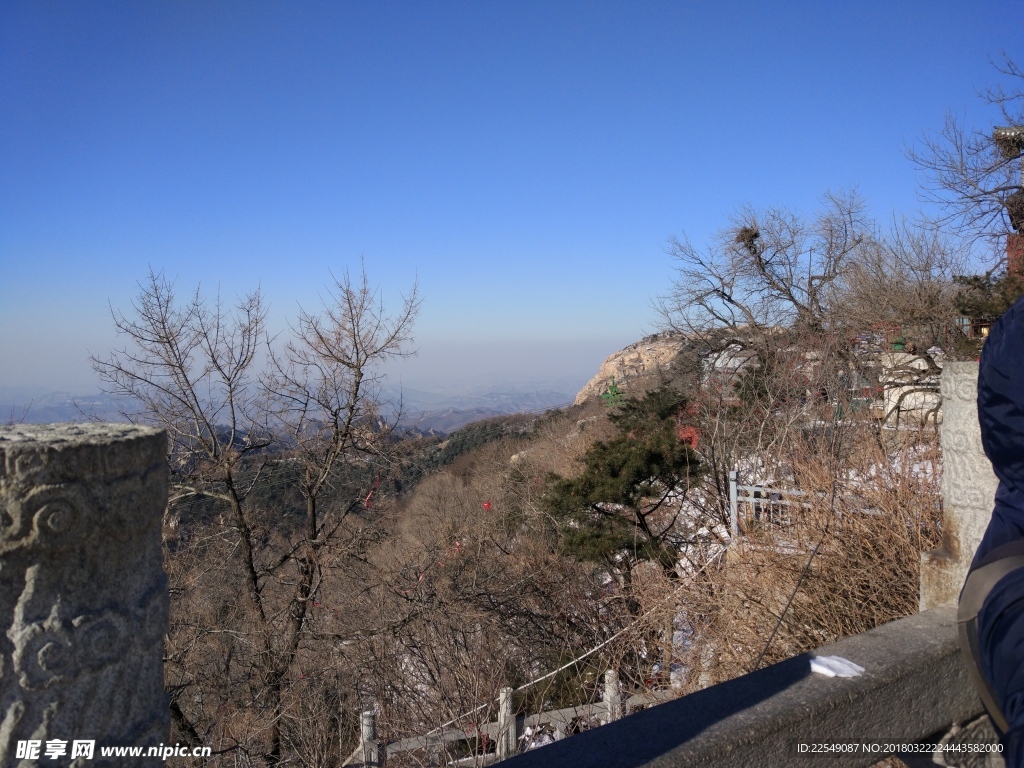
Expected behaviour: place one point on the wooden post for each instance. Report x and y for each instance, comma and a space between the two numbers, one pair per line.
507, 737
368, 739
612, 699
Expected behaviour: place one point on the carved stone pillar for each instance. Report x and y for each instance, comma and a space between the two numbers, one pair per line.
83, 594
968, 488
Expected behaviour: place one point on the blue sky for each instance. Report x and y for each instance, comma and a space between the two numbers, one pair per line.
525, 161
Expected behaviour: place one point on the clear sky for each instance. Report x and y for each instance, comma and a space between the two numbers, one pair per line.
526, 161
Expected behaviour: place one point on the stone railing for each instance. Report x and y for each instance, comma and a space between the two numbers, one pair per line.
83, 594
914, 687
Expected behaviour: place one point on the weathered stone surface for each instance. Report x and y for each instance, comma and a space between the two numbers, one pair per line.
83, 595
645, 357
968, 488
915, 683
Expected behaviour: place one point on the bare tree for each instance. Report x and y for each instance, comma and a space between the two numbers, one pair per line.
904, 278
324, 386
831, 305
242, 596
802, 324
973, 175
190, 370
323, 390
898, 302
759, 305
767, 271
804, 328
14, 417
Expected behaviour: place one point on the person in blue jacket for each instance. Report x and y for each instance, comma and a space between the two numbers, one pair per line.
991, 612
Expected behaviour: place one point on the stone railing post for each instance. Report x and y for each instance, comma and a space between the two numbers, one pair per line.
508, 739
611, 698
368, 739
83, 594
968, 488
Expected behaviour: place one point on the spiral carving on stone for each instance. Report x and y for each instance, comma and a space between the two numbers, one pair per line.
52, 516
103, 639
43, 656
85, 597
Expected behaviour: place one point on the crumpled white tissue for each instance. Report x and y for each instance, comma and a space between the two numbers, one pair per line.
835, 666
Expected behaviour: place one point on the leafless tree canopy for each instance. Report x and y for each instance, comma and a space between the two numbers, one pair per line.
973, 181
772, 280
190, 370
766, 270
903, 279
323, 388
244, 589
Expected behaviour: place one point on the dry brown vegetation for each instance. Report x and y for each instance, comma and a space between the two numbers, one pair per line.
429, 603
846, 564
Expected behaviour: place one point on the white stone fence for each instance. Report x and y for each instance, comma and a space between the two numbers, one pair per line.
503, 738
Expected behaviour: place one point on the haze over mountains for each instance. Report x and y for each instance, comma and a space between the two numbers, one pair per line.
432, 412
443, 387
39, 406
423, 410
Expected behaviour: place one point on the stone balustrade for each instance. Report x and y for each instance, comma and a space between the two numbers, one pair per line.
83, 594
968, 488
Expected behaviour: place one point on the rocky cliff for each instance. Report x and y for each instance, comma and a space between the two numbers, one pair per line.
644, 358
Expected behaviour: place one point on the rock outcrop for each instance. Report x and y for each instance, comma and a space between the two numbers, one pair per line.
644, 358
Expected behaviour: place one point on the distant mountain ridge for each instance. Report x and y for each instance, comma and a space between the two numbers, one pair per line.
58, 407
436, 414
422, 411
